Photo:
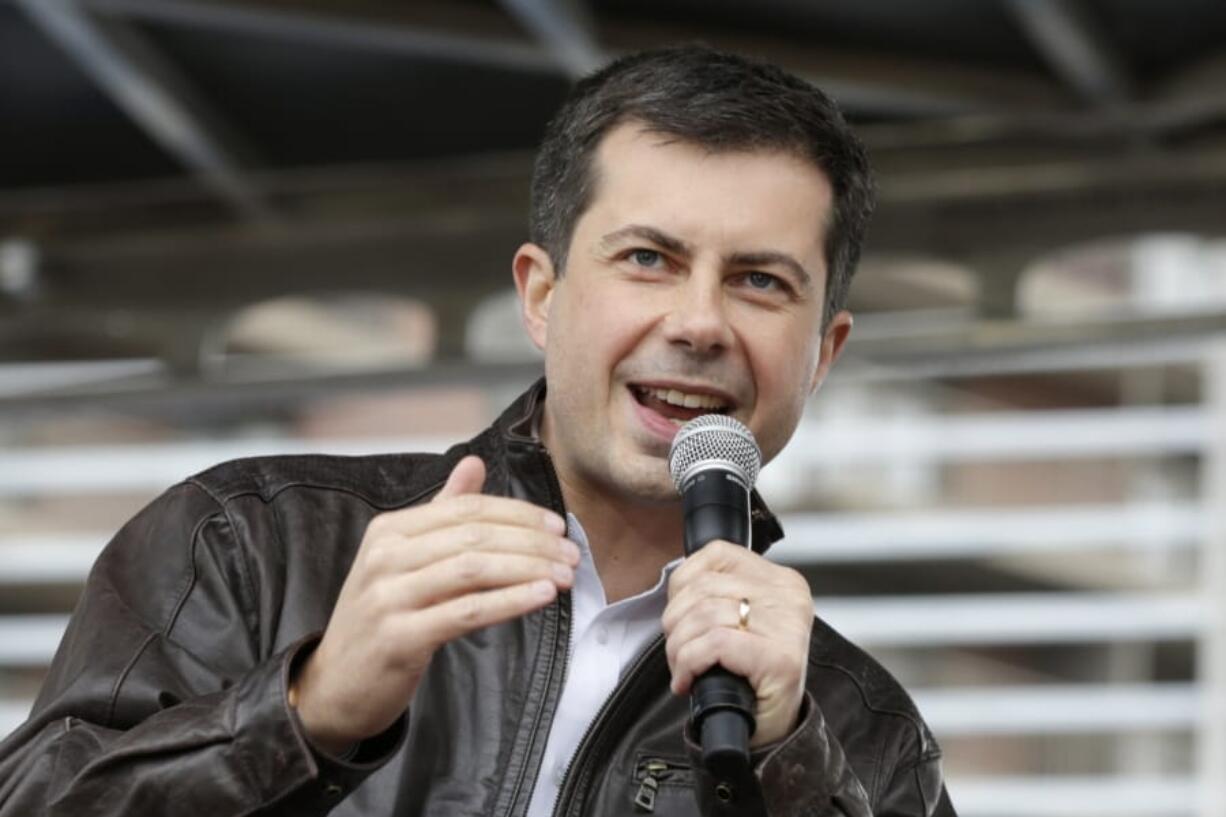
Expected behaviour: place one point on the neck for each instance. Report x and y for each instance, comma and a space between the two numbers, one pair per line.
631, 537
630, 541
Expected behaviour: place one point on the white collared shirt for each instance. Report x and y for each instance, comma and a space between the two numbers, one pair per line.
604, 640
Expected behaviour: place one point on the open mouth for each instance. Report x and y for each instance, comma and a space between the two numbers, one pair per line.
677, 406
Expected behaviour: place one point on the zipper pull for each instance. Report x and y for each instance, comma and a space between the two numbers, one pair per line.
653, 772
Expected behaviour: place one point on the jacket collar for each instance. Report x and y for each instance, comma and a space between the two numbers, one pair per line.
518, 428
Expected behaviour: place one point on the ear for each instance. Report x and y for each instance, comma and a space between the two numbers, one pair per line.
535, 281
833, 338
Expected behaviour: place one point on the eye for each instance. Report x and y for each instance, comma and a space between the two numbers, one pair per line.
763, 281
646, 258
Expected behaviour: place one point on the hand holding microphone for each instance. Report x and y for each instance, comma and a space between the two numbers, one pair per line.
737, 625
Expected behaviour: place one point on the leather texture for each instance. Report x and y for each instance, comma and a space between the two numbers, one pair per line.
167, 694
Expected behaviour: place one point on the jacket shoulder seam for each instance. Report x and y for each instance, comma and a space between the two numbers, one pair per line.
123, 677
270, 496
244, 569
226, 487
190, 582
913, 769
187, 583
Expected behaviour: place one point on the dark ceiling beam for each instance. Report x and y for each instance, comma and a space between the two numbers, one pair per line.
146, 87
1192, 96
565, 29
1178, 112
334, 31
862, 83
1188, 99
969, 200
461, 191
1075, 48
1002, 181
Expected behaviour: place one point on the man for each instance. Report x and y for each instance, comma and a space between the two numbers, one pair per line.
508, 628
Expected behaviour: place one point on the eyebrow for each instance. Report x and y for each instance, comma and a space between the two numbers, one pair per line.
660, 239
759, 258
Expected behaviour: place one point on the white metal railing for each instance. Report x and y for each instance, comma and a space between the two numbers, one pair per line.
12, 715
1004, 436
48, 559
1060, 708
1056, 796
30, 640
983, 532
151, 468
1012, 618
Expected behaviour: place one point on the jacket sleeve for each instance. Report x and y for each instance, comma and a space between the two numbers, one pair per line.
807, 774
161, 698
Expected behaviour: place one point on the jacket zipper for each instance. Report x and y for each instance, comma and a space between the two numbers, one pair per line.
554, 661
618, 698
584, 752
650, 773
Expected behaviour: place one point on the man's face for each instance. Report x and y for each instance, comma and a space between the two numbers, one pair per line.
694, 283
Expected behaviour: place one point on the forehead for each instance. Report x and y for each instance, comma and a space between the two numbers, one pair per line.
738, 199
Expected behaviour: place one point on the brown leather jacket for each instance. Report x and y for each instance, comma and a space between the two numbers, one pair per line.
168, 692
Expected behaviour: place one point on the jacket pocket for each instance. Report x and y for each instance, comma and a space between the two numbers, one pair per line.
651, 772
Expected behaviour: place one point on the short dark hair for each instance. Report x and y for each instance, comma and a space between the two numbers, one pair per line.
715, 100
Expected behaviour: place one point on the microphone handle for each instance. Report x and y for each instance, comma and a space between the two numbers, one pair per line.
722, 705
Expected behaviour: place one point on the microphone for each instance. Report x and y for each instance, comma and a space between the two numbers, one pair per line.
714, 461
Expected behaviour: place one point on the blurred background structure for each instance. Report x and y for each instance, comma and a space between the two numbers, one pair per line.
233, 228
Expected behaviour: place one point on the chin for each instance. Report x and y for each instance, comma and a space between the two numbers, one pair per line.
648, 481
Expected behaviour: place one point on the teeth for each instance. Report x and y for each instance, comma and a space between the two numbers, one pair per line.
691, 401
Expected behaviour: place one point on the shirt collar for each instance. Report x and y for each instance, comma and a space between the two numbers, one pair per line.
576, 533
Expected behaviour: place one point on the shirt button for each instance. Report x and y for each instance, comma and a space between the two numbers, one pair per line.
602, 635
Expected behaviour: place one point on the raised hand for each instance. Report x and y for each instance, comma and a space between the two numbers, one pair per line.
422, 577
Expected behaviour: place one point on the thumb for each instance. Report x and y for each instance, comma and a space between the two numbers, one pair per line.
466, 478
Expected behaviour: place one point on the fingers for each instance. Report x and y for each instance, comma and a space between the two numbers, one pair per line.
470, 572
710, 591
396, 553
702, 625
721, 558
695, 640
466, 477
734, 650
460, 616
461, 544
460, 500
459, 509
705, 614
424, 576
774, 590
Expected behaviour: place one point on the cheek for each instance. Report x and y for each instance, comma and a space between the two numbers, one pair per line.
597, 330
782, 365
615, 318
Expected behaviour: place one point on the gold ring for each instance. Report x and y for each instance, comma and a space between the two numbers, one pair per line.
742, 613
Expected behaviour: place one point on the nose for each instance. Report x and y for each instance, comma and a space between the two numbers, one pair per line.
698, 319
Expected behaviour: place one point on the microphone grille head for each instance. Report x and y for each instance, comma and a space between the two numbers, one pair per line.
714, 440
